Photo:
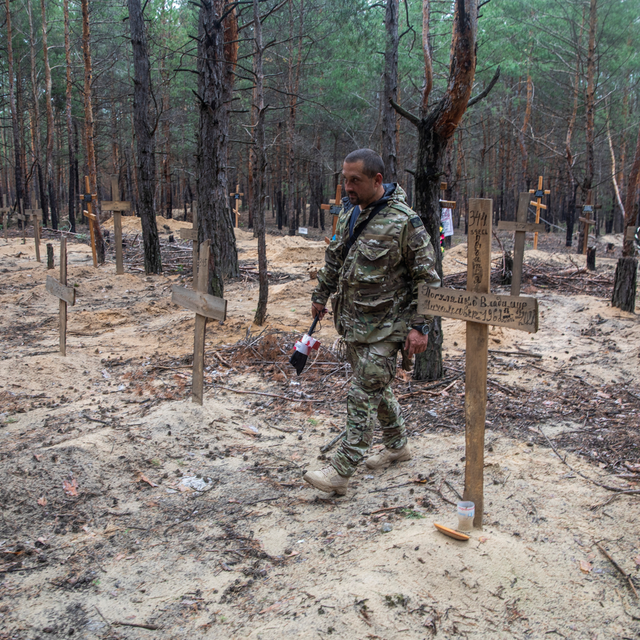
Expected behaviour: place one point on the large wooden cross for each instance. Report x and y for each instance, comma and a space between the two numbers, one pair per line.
588, 208
117, 207
237, 196
192, 234
87, 198
66, 294
479, 308
35, 215
521, 228
538, 195
205, 306
4, 210
334, 208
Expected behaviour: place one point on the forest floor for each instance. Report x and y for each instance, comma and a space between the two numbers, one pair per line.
127, 511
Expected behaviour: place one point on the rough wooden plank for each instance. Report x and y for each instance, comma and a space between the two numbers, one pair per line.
475, 400
630, 233
91, 218
200, 303
59, 290
188, 234
197, 383
117, 231
115, 205
527, 227
514, 312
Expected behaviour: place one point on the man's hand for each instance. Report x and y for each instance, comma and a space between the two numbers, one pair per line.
318, 309
416, 343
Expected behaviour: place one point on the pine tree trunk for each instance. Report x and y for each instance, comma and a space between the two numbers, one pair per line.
215, 219
145, 144
625, 284
88, 126
389, 116
53, 205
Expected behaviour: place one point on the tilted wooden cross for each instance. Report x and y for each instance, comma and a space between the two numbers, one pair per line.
4, 210
521, 228
87, 198
587, 209
205, 306
479, 308
237, 195
117, 207
192, 234
334, 207
539, 194
35, 215
66, 294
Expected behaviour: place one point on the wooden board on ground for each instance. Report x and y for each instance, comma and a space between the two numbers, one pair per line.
479, 308
67, 295
117, 207
205, 306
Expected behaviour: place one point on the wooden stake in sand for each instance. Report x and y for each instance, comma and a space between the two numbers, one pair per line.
334, 207
87, 198
205, 306
237, 196
4, 210
66, 294
587, 210
538, 195
479, 308
35, 215
117, 207
521, 228
192, 234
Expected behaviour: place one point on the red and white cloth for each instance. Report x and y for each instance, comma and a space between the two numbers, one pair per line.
306, 343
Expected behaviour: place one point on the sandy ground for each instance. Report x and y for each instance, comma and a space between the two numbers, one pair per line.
129, 512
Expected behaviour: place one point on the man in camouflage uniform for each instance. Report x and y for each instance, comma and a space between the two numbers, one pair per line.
374, 282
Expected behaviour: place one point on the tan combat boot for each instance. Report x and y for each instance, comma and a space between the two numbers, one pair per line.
387, 456
327, 479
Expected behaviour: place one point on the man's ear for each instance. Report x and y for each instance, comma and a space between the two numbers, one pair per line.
379, 179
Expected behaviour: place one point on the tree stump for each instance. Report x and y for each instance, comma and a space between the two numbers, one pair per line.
591, 258
624, 284
49, 255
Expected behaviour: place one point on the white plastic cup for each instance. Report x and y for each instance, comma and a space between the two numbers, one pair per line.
466, 513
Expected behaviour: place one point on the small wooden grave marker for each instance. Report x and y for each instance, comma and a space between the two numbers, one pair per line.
538, 195
479, 308
67, 295
587, 210
205, 306
35, 215
117, 207
87, 198
237, 196
334, 207
521, 228
192, 234
630, 233
4, 210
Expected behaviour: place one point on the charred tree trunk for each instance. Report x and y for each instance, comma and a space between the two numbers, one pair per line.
389, 117
145, 146
258, 167
215, 221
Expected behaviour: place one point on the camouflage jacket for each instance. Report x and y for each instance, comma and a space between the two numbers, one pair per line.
375, 287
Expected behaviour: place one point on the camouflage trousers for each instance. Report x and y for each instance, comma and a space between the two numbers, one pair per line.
370, 395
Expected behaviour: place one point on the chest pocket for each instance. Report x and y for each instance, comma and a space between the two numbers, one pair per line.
371, 265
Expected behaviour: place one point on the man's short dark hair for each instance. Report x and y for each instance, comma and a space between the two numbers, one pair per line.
372, 162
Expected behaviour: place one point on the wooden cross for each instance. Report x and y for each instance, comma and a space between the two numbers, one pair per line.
521, 228
87, 198
4, 210
35, 215
66, 294
192, 234
205, 306
587, 209
539, 194
334, 207
117, 207
237, 195
479, 308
